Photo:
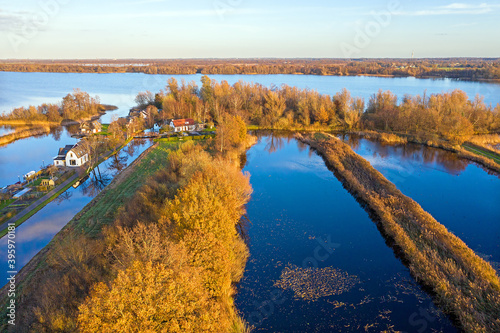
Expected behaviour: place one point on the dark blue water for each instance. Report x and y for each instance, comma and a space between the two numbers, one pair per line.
36, 232
299, 213
458, 193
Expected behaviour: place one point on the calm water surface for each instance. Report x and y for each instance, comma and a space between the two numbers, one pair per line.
23, 156
458, 193
38, 230
120, 89
299, 210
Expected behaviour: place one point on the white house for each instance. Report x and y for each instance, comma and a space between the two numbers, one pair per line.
71, 156
183, 125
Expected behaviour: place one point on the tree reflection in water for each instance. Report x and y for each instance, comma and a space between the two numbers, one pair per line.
63, 197
411, 152
131, 147
275, 139
56, 132
117, 164
96, 183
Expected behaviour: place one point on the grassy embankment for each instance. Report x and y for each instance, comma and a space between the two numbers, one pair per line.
482, 151
465, 286
5, 203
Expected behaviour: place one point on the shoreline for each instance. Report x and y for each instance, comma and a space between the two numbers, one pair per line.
422, 77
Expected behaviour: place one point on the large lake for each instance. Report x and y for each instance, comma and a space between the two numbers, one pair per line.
297, 207
120, 89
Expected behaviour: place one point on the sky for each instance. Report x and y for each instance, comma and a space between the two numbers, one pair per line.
97, 29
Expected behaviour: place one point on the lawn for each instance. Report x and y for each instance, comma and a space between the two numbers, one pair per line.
5, 203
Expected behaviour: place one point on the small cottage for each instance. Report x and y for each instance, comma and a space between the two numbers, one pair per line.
91, 128
48, 182
71, 156
183, 125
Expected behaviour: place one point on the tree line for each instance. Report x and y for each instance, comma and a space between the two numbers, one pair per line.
450, 115
458, 68
76, 106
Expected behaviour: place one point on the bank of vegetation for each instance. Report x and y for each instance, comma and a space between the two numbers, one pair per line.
464, 285
157, 250
74, 107
456, 68
450, 116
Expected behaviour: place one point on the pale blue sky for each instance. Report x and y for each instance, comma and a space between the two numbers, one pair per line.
244, 28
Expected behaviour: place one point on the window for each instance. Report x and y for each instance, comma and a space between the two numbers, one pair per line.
72, 162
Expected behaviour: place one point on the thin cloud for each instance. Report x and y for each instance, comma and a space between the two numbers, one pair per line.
457, 5
452, 9
180, 13
461, 25
13, 21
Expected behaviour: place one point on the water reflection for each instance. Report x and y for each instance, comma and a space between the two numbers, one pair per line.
411, 153
302, 217
118, 163
96, 182
64, 197
456, 192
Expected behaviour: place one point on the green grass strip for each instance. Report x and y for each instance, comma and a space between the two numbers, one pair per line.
478, 151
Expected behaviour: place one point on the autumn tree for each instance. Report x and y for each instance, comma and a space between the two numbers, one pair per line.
231, 132
145, 98
152, 297
274, 107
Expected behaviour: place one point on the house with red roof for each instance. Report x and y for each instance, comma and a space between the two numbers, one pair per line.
183, 125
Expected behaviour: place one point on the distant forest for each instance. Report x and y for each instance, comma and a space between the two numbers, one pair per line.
475, 69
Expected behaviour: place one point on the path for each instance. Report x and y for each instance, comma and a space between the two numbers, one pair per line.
482, 151
37, 203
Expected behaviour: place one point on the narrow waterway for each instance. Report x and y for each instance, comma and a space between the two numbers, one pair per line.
25, 155
317, 262
38, 230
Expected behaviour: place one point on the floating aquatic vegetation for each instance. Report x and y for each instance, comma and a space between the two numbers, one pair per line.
313, 283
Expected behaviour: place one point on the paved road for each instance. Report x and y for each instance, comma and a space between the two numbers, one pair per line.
38, 202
